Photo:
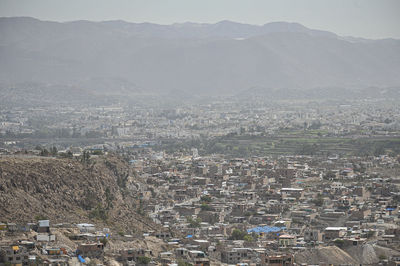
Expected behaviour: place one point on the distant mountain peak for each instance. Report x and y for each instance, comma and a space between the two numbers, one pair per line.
230, 22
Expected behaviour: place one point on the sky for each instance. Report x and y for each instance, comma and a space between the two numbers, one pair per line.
360, 18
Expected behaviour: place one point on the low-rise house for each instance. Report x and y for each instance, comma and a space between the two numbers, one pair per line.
277, 259
181, 252
237, 255
360, 214
287, 241
86, 228
45, 237
14, 255
388, 240
296, 193
312, 235
130, 255
163, 235
91, 250
186, 210
334, 232
198, 258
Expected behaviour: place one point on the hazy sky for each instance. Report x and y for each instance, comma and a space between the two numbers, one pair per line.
361, 18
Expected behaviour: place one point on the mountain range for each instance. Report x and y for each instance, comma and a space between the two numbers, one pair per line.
221, 58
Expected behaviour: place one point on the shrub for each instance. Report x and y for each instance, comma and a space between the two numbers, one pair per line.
248, 238
206, 207
193, 223
104, 241
206, 199
339, 243
99, 213
143, 260
40, 217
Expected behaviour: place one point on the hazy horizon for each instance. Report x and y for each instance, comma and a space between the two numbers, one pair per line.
365, 19
201, 23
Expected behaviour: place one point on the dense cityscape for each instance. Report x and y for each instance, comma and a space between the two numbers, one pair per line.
226, 182
200, 133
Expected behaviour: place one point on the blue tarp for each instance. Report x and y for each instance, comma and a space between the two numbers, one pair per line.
265, 229
81, 259
189, 236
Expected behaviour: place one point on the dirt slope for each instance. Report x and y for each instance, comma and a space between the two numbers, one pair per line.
325, 255
67, 190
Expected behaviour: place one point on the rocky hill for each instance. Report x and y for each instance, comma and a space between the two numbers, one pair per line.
102, 191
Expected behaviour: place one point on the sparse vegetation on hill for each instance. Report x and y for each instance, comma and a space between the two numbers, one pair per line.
67, 190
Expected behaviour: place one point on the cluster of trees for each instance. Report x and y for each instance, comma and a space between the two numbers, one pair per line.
238, 234
330, 175
193, 223
45, 152
319, 200
205, 200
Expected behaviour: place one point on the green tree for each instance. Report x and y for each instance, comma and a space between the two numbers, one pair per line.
330, 175
193, 223
248, 238
319, 200
206, 199
38, 148
40, 217
315, 125
237, 234
104, 241
143, 260
206, 207
44, 152
97, 152
339, 243
85, 157
53, 151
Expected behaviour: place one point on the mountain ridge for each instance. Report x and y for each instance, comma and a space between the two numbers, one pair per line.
276, 26
222, 58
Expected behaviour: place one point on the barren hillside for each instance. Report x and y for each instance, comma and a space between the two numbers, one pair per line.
101, 191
